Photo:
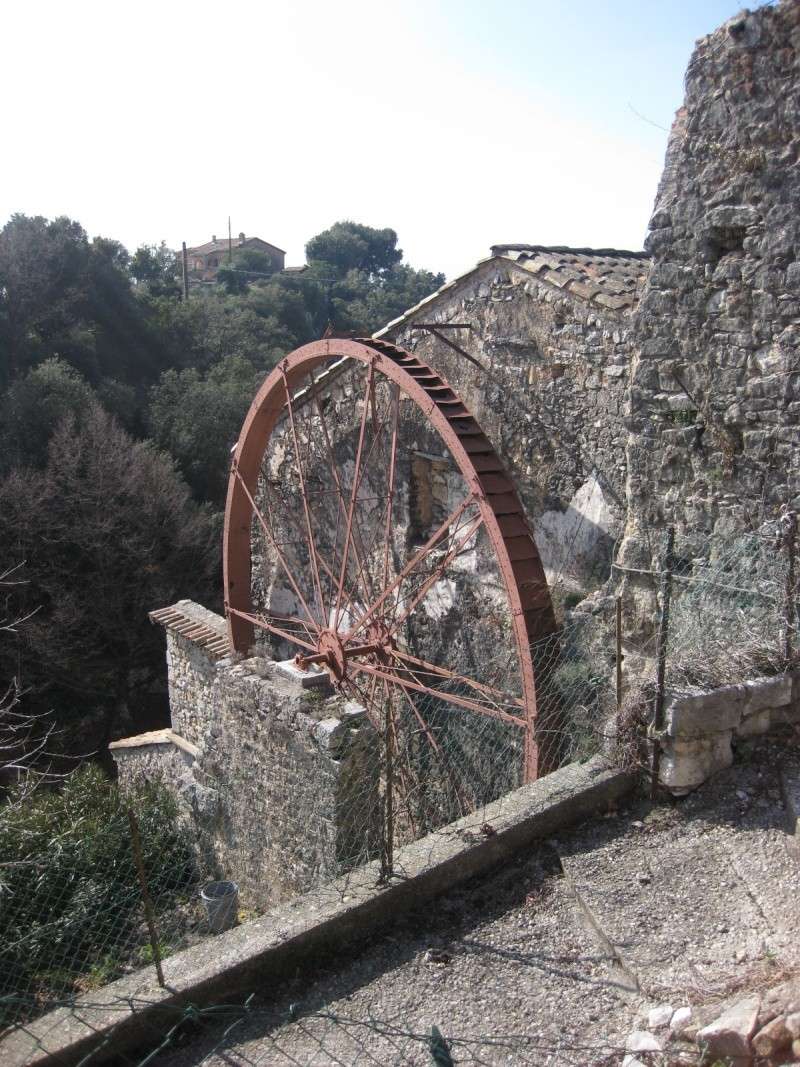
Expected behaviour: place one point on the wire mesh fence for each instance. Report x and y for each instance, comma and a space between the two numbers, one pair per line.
72, 916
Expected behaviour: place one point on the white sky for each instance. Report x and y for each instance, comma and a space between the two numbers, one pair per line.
459, 123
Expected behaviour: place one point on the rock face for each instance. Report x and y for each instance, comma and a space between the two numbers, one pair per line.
714, 402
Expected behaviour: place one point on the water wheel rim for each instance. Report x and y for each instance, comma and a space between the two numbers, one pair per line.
493, 493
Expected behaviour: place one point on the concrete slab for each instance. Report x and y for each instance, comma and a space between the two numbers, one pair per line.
313, 678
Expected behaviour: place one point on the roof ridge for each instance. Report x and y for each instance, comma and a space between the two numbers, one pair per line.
617, 252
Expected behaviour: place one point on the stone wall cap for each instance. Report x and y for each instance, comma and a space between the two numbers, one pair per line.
154, 737
197, 624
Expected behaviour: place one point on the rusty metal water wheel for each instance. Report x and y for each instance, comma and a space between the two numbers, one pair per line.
352, 582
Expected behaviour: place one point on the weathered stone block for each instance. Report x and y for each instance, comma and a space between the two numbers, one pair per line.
329, 734
730, 216
756, 724
310, 679
686, 764
761, 693
695, 715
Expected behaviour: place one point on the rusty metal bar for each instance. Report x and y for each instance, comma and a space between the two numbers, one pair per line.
436, 328
441, 326
147, 904
448, 698
618, 630
354, 491
661, 659
435, 537
790, 612
387, 852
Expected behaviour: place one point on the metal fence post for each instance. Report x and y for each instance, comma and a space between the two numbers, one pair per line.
789, 605
136, 843
387, 852
619, 653
661, 658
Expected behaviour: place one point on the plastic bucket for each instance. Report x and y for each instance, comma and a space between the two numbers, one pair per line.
221, 901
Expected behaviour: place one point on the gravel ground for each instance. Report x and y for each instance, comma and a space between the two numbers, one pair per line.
694, 896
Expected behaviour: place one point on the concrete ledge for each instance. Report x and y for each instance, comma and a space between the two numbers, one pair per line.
333, 918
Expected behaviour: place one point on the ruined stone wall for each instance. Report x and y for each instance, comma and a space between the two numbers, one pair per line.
715, 388
278, 794
550, 398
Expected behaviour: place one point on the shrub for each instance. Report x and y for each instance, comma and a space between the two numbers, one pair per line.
70, 907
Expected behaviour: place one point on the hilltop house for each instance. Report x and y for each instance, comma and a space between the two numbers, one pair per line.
205, 260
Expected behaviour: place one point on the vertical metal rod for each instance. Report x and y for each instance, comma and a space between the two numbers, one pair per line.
790, 617
661, 657
185, 270
136, 843
619, 652
387, 859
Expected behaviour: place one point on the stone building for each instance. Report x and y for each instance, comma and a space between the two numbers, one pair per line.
545, 353
713, 409
205, 260
623, 391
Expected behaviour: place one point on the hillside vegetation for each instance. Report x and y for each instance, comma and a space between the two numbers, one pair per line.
119, 402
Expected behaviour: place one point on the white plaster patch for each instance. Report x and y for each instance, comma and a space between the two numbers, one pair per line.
440, 600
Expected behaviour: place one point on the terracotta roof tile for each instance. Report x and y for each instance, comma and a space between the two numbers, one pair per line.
607, 277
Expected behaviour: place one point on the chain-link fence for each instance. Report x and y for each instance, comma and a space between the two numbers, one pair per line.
72, 912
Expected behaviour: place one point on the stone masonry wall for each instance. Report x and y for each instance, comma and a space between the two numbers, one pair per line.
701, 727
550, 399
714, 406
278, 794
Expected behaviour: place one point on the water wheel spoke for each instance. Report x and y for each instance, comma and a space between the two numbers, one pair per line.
357, 541
424, 553
436, 748
497, 696
422, 591
354, 491
312, 548
264, 623
410, 682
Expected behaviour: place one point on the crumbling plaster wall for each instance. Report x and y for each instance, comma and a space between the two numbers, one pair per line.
550, 398
715, 386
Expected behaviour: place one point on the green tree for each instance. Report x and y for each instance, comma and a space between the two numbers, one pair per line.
347, 246
196, 417
34, 405
108, 531
63, 295
156, 267
248, 266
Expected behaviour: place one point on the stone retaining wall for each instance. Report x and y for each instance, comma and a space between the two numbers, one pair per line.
701, 727
274, 779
